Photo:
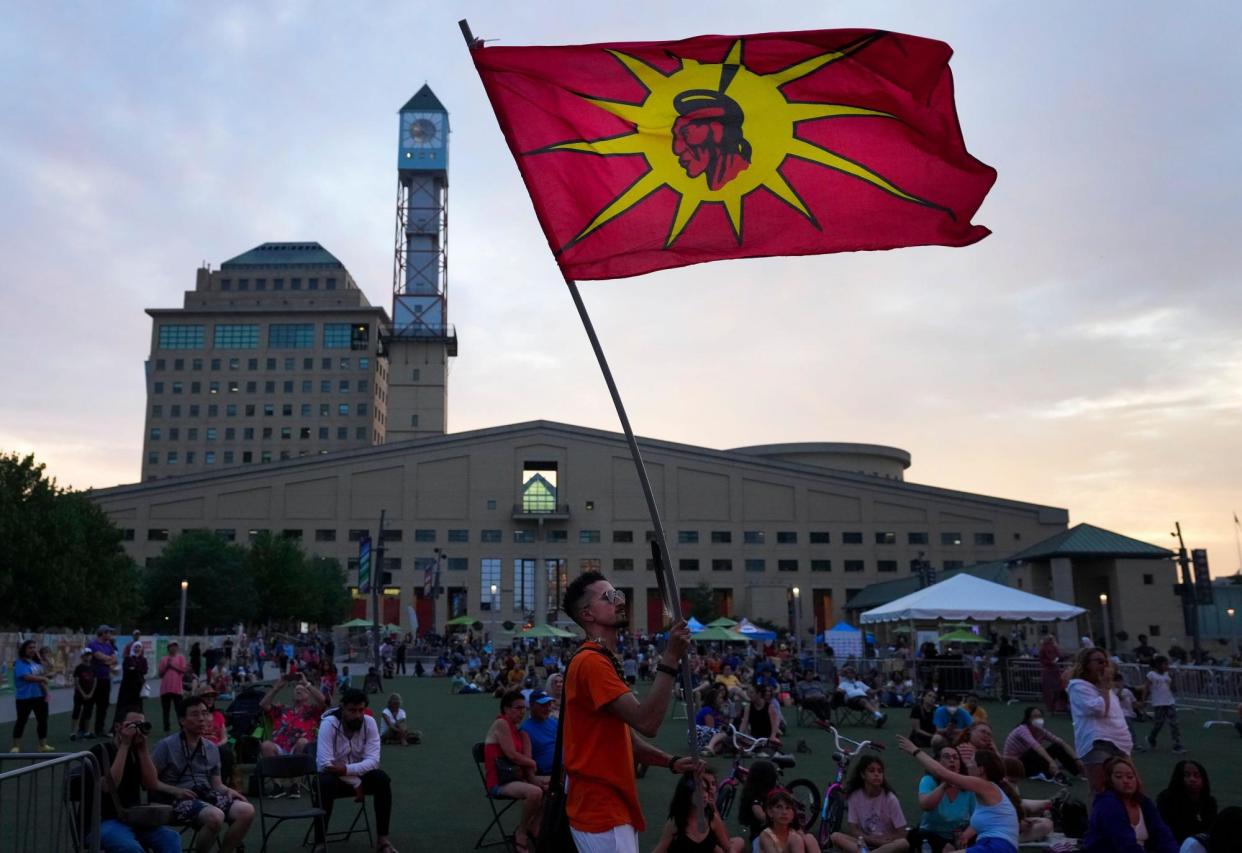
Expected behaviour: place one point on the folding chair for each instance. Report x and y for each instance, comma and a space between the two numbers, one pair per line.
506, 836
847, 716
280, 767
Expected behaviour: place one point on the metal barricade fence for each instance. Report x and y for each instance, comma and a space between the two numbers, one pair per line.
41, 805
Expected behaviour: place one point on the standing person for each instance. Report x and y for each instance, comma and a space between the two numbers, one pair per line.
188, 760
946, 807
1187, 805
31, 698
196, 659
874, 820
103, 658
1100, 730
402, 651
603, 720
133, 675
1163, 703
172, 671
994, 822
1049, 673
83, 695
1123, 818
348, 756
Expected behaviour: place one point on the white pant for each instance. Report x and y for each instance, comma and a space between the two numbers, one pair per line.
619, 839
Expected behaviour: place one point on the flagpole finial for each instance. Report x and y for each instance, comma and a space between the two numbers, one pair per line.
471, 41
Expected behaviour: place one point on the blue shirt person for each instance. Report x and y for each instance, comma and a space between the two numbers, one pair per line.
540, 726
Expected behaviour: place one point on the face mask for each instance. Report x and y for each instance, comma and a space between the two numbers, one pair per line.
952, 709
1038, 721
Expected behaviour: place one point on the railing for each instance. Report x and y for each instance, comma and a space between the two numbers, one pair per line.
41, 806
558, 512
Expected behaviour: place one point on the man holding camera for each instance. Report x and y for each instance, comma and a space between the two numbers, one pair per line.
125, 762
191, 762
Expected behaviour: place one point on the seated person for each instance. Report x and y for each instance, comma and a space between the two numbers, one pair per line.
760, 784
371, 681
709, 721
951, 719
540, 728
188, 761
874, 814
126, 760
977, 712
1032, 825
1222, 836
899, 690
682, 833
216, 731
1123, 818
782, 835
727, 678
761, 717
393, 724
509, 769
293, 726
1187, 805
1044, 756
348, 757
858, 695
946, 807
815, 697
923, 714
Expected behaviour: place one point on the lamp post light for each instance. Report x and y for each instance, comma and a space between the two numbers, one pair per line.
1233, 639
1108, 633
185, 585
491, 612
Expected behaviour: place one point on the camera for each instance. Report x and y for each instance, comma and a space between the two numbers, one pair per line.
141, 726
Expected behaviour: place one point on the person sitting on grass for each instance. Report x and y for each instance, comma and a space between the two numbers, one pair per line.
760, 718
781, 834
950, 720
510, 770
923, 725
1187, 805
946, 807
1032, 825
393, 724
874, 816
1123, 818
709, 721
1222, 836
1044, 756
683, 834
994, 822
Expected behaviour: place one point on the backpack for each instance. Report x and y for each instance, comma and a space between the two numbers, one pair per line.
1069, 815
244, 714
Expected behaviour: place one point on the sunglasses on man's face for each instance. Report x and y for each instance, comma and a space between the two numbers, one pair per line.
612, 596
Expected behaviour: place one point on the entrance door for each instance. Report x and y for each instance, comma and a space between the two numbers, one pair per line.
655, 612
822, 599
391, 608
425, 609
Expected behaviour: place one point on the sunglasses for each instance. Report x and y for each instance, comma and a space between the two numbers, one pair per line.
612, 596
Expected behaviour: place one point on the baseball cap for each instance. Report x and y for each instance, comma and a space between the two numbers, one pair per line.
104, 629
538, 697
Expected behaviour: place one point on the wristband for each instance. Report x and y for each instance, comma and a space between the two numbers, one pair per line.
667, 670
673, 759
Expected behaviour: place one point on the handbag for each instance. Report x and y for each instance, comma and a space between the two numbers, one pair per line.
139, 817
506, 771
554, 834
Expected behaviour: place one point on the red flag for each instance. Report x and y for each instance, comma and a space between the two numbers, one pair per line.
648, 155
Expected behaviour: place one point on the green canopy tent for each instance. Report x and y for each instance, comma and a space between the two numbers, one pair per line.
543, 630
355, 623
961, 637
722, 622
463, 621
718, 635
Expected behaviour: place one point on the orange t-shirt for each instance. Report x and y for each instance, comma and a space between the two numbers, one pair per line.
599, 758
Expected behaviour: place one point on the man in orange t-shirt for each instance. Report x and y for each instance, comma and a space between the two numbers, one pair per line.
603, 720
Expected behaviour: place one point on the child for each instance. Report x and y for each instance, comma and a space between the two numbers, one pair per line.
1163, 703
780, 835
971, 704
345, 681
1128, 702
874, 818
83, 695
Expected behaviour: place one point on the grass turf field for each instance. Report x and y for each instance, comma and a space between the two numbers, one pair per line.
439, 803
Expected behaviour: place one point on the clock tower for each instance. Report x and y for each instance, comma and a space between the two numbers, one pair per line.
421, 341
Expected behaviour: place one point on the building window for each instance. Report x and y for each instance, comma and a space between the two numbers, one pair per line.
820, 537
588, 537
886, 566
622, 564
753, 537
916, 538
523, 537
153, 458
854, 565
539, 487
950, 539
361, 409
490, 536
181, 336
336, 336
722, 565
157, 534
787, 565
209, 457
358, 534
155, 433
821, 565
1153, 630
414, 374
490, 579
623, 536
424, 534
237, 336
557, 536
722, 537
756, 565
687, 537
325, 534
1149, 580
291, 336
342, 409
786, 537
173, 459
885, 537
852, 537
985, 538
688, 564
458, 535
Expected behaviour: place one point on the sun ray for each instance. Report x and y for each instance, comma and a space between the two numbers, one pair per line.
782, 190
733, 207
649, 77
801, 69
637, 191
633, 113
803, 112
807, 151
626, 143
686, 208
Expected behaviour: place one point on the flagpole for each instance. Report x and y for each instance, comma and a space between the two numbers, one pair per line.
1237, 539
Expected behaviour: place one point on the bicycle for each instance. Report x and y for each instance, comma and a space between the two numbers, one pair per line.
745, 747
833, 808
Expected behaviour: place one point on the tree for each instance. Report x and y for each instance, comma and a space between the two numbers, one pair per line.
292, 587
221, 591
327, 578
61, 559
703, 604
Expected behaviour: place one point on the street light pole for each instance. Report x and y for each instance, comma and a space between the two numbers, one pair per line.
185, 585
1233, 639
797, 606
1108, 633
491, 613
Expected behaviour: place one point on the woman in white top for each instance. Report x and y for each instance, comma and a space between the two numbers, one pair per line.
1100, 730
392, 723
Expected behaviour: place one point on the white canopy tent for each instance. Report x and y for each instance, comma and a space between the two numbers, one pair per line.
965, 596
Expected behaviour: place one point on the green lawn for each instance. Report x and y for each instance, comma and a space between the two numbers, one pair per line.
439, 802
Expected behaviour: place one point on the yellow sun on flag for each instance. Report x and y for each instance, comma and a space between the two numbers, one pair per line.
715, 132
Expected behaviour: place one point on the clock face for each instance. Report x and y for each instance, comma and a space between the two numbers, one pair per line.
422, 130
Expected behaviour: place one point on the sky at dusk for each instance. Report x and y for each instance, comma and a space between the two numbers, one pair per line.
1086, 355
